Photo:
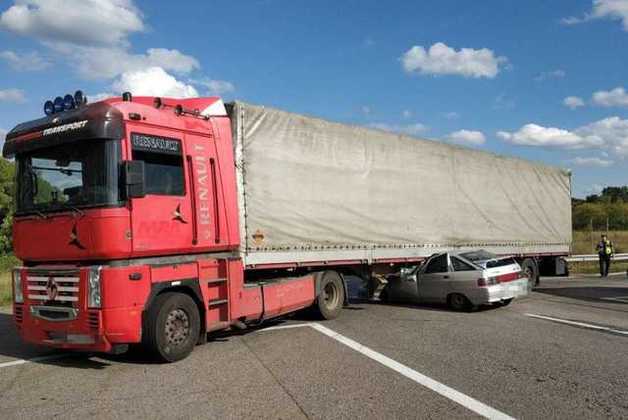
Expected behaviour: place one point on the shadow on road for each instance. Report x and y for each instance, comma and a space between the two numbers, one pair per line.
589, 294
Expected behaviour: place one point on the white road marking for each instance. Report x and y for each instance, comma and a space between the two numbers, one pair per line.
442, 389
286, 327
579, 324
34, 359
622, 299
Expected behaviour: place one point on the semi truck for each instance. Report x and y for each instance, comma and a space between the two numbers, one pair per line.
156, 221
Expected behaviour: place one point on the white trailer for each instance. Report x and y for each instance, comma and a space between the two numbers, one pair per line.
313, 191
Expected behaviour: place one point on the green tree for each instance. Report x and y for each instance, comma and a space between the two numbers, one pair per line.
7, 195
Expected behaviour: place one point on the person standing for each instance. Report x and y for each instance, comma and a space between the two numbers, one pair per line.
604, 252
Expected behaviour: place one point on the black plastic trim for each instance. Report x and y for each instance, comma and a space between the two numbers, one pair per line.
103, 121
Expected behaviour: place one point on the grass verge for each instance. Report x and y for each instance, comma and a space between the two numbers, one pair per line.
5, 288
584, 241
7, 262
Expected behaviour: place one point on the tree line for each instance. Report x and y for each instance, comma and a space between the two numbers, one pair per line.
607, 210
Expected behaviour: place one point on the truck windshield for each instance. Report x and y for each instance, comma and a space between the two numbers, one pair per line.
78, 174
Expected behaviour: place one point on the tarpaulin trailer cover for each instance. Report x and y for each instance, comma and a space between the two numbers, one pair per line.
315, 190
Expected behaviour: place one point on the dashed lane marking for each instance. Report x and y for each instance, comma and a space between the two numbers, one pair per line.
442, 389
579, 324
34, 359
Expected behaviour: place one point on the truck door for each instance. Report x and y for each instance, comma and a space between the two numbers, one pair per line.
161, 221
434, 279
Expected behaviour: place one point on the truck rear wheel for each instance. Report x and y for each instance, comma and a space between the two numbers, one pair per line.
172, 327
331, 297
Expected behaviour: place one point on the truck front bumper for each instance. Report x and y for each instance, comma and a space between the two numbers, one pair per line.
90, 331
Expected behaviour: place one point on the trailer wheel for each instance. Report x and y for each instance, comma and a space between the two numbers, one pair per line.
172, 327
531, 271
331, 297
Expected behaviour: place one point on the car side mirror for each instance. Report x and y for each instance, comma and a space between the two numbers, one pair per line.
134, 178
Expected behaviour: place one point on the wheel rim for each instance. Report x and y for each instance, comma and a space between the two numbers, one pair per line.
331, 295
177, 327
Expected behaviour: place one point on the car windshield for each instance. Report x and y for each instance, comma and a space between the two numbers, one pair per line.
480, 255
79, 174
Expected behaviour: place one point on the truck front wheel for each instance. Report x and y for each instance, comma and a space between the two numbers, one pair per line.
172, 327
331, 297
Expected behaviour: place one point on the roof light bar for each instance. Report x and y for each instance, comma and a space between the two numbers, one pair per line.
65, 103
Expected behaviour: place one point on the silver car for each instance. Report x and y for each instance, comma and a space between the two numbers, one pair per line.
463, 280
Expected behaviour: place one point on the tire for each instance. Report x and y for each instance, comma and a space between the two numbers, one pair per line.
531, 271
331, 297
506, 302
383, 295
172, 327
459, 302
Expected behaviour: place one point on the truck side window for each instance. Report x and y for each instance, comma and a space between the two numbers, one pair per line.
163, 165
460, 265
437, 265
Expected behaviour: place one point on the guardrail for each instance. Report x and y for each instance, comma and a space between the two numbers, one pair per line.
594, 257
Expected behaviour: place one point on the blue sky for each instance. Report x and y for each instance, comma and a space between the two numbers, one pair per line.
494, 75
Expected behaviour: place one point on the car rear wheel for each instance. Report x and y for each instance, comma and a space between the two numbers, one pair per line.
459, 302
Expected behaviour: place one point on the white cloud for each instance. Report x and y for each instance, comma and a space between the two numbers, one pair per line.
452, 115
82, 22
12, 95
97, 97
573, 102
467, 137
554, 74
366, 110
24, 62
603, 9
536, 135
614, 97
92, 37
440, 59
98, 63
215, 87
609, 134
592, 161
153, 81
406, 113
410, 129
612, 131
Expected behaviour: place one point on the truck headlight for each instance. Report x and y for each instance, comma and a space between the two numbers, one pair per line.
18, 294
93, 288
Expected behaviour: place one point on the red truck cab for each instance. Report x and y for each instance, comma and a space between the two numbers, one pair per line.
127, 223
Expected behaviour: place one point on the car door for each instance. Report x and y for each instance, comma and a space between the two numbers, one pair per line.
403, 287
433, 279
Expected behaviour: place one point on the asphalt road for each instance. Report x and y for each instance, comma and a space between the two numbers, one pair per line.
372, 362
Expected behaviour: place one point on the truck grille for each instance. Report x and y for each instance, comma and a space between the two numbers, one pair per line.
53, 287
